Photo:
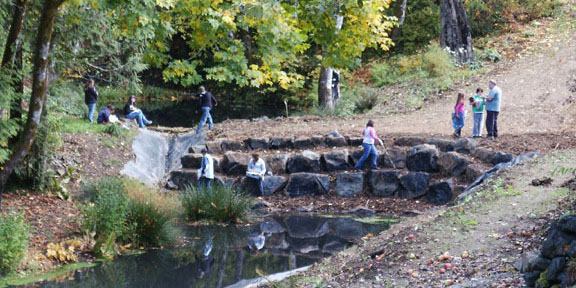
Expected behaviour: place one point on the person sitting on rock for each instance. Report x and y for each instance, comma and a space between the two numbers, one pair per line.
256, 171
206, 171
369, 135
131, 112
104, 115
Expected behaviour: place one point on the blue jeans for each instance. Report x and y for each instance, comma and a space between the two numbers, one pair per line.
204, 182
369, 149
477, 131
91, 108
205, 116
259, 181
142, 121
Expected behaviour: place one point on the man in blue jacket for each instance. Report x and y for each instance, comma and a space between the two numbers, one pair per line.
206, 102
493, 109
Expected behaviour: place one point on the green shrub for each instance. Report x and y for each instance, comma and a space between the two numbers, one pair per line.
107, 214
383, 74
14, 234
148, 225
436, 61
366, 98
221, 204
491, 55
115, 130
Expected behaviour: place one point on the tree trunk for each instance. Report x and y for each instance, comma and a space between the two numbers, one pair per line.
39, 90
325, 99
456, 33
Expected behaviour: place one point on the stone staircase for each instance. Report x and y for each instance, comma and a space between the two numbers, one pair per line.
435, 168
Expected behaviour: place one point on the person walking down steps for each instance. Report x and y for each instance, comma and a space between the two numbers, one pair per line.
369, 135
206, 103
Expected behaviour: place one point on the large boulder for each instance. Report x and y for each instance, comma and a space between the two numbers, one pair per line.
355, 156
408, 141
276, 163
383, 183
232, 145
335, 160
452, 164
395, 155
235, 163
333, 134
214, 147
414, 185
335, 141
442, 144
355, 141
318, 141
440, 193
465, 145
347, 228
307, 161
225, 181
196, 149
483, 154
281, 143
271, 184
422, 158
183, 177
502, 158
349, 184
308, 184
302, 227
303, 246
303, 143
257, 144
473, 172
191, 161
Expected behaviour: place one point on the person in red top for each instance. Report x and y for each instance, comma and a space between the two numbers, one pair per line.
459, 115
369, 149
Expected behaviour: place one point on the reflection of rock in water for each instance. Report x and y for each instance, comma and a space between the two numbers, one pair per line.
303, 245
256, 241
333, 244
306, 227
347, 228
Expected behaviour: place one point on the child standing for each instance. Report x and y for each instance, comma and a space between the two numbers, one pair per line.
477, 103
459, 115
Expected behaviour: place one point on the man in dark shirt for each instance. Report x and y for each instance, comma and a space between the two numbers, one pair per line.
206, 102
104, 115
90, 98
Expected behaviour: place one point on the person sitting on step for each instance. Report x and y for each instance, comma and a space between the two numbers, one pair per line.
256, 171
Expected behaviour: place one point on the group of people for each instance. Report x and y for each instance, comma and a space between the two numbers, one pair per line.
479, 103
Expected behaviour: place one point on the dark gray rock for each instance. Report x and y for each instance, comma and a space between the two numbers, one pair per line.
257, 144
271, 226
277, 241
334, 244
408, 141
232, 145
336, 141
308, 184
540, 263
355, 141
303, 143
225, 181
276, 163
333, 134
183, 177
473, 172
414, 184
335, 160
217, 162
191, 161
235, 163
349, 184
272, 184
395, 155
307, 161
483, 154
567, 224
347, 228
383, 183
301, 227
422, 158
362, 211
318, 141
281, 143
214, 147
500, 157
304, 246
555, 268
442, 144
465, 145
196, 149
452, 164
440, 193
531, 278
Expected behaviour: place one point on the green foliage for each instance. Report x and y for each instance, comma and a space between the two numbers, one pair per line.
148, 225
421, 25
14, 234
9, 127
221, 204
67, 98
107, 214
366, 98
437, 62
491, 55
115, 130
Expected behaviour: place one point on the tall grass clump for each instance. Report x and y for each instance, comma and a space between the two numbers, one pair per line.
221, 204
115, 130
14, 234
130, 212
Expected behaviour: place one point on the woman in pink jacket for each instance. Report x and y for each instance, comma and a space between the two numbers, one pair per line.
369, 149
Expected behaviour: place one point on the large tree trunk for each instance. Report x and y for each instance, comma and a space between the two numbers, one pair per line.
456, 33
325, 99
39, 90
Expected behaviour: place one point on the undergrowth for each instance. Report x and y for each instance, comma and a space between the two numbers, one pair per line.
14, 235
220, 203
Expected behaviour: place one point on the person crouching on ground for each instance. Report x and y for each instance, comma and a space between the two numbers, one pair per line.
369, 135
206, 172
477, 103
459, 115
256, 171
131, 112
104, 115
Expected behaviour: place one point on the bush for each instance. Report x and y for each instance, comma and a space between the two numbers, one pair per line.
148, 225
366, 98
107, 214
383, 74
221, 204
14, 234
115, 130
491, 55
436, 61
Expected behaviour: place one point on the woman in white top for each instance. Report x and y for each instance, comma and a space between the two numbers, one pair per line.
206, 171
256, 171
369, 149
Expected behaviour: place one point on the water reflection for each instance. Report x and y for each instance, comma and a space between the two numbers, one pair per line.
224, 255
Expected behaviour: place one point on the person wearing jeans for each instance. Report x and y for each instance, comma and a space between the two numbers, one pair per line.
206, 102
90, 98
256, 170
206, 172
131, 112
478, 110
493, 109
368, 144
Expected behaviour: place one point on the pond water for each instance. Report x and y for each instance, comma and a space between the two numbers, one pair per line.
227, 256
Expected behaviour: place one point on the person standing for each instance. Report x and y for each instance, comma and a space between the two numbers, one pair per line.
90, 98
206, 102
459, 115
256, 171
493, 101
131, 112
369, 135
206, 172
477, 103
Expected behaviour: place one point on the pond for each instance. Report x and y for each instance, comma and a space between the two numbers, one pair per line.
228, 256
